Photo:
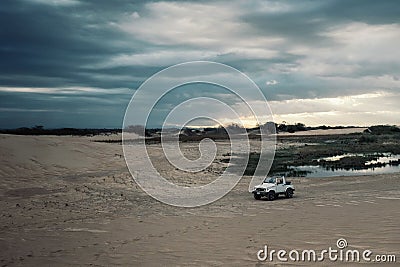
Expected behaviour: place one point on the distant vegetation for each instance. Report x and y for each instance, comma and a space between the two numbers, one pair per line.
382, 129
373, 133
298, 127
269, 127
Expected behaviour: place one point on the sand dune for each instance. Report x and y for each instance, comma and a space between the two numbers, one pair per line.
68, 200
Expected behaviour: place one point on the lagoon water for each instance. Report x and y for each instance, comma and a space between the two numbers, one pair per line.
320, 171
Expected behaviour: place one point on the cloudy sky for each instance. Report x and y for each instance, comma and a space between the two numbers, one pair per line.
76, 63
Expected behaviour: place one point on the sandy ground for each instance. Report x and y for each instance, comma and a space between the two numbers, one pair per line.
71, 201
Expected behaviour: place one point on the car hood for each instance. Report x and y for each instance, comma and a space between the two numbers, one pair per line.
264, 185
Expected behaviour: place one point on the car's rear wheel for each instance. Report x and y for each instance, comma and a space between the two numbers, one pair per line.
257, 197
271, 196
289, 193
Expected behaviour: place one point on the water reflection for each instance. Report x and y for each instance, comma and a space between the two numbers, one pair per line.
364, 164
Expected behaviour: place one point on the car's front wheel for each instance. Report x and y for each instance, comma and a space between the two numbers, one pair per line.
257, 197
271, 196
289, 193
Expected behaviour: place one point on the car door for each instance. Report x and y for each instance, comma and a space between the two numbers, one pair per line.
280, 187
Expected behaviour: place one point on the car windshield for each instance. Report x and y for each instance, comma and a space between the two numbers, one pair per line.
270, 180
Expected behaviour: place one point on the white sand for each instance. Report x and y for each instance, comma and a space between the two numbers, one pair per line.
67, 200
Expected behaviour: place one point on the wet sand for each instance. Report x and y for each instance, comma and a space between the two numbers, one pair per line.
69, 201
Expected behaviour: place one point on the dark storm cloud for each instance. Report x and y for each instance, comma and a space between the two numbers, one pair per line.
68, 110
55, 43
49, 45
368, 11
306, 20
302, 45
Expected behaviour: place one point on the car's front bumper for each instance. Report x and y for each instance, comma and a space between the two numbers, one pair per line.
260, 193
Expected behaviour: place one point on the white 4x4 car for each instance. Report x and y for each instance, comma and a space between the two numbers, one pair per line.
272, 187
